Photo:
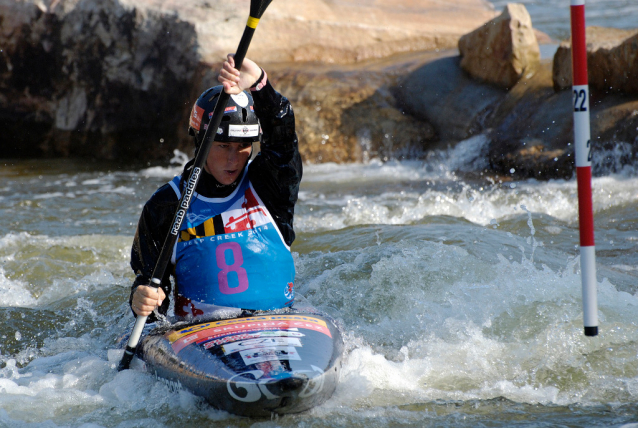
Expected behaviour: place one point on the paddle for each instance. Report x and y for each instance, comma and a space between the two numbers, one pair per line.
257, 9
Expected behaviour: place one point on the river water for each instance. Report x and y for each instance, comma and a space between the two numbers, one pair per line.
460, 293
460, 297
552, 16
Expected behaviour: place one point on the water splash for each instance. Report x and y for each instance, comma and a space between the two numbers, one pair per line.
436, 322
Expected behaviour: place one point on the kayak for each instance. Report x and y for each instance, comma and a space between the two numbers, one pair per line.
256, 364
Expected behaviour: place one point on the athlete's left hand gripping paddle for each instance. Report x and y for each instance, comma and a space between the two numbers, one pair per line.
257, 9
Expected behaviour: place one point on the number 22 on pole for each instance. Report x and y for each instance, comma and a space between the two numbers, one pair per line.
582, 140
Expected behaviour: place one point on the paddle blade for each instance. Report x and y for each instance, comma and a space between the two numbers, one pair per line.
125, 362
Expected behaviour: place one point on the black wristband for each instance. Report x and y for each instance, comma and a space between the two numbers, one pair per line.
261, 77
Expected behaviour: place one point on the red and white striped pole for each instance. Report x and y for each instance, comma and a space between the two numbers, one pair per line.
582, 140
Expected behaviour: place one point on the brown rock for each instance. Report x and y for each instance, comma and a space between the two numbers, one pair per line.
531, 130
612, 61
116, 78
503, 50
441, 94
337, 31
347, 114
615, 132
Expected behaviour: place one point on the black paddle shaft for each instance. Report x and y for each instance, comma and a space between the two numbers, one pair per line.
257, 8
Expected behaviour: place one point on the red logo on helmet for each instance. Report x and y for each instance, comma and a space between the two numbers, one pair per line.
196, 117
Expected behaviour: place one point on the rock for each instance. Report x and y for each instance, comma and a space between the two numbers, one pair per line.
503, 50
93, 80
612, 61
441, 94
116, 78
28, 69
336, 31
350, 113
531, 131
529, 128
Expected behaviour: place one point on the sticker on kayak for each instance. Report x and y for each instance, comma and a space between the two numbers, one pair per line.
269, 354
237, 337
267, 342
211, 330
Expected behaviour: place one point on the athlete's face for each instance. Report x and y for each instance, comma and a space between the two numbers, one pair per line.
226, 160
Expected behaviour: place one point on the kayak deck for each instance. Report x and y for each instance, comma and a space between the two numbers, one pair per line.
253, 365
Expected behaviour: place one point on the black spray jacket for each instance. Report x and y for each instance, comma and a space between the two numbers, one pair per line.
275, 174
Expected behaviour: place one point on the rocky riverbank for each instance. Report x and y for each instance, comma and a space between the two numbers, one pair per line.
116, 79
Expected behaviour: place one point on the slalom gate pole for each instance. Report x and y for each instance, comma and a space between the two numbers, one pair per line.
582, 140
257, 8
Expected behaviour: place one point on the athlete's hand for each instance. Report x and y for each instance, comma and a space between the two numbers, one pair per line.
146, 299
234, 82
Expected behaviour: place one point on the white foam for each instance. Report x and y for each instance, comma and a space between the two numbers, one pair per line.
58, 266
467, 330
178, 161
478, 203
373, 171
14, 293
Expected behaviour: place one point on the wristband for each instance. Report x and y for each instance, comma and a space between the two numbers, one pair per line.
261, 82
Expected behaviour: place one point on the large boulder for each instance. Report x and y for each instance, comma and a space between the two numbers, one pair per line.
612, 61
528, 128
343, 31
348, 114
502, 50
116, 78
532, 135
92, 79
440, 93
531, 130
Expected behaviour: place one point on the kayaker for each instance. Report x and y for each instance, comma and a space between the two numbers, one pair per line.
233, 250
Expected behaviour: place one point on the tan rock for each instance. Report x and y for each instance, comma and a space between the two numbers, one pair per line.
113, 78
335, 31
503, 50
612, 60
349, 114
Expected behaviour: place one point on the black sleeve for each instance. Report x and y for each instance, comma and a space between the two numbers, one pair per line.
152, 228
276, 171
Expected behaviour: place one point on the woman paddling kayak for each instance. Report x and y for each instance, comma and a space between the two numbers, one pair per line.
233, 247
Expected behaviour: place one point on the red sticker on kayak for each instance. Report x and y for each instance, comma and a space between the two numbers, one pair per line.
208, 331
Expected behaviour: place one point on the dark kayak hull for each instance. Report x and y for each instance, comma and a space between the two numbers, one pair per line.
251, 366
